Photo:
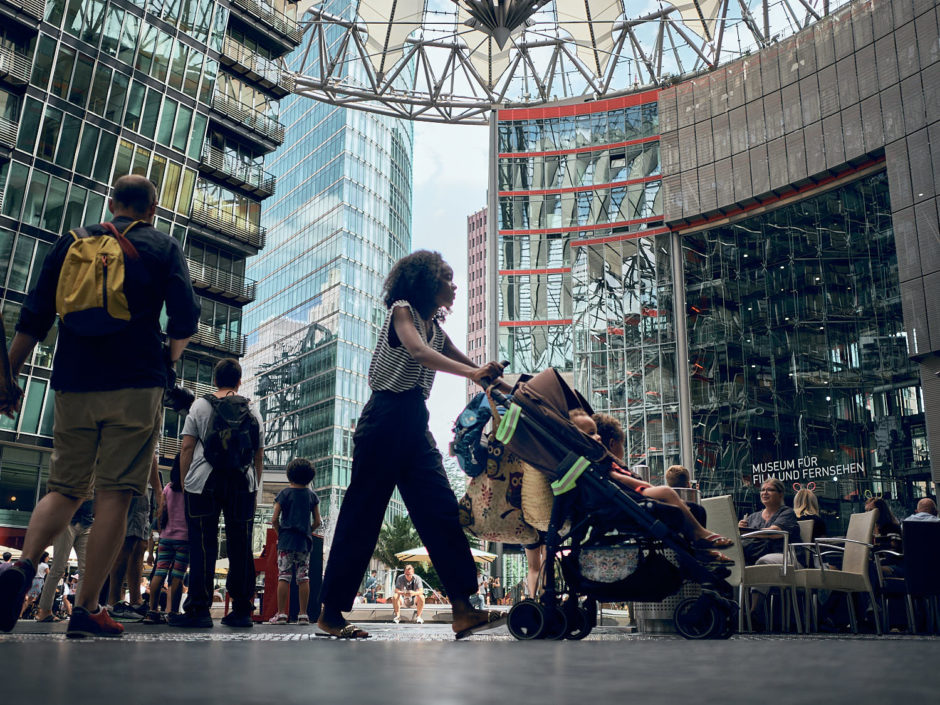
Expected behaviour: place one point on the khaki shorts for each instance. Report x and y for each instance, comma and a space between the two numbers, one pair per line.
104, 440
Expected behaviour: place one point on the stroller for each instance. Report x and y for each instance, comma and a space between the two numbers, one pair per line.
604, 543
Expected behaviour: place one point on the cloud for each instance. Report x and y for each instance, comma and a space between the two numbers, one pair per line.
450, 181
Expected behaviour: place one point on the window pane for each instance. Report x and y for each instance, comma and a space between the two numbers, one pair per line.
118, 95
157, 171
35, 194
49, 134
161, 56
129, 38
208, 80
193, 69
47, 415
199, 132
55, 9
19, 267
67, 142
42, 64
73, 211
32, 407
186, 191
171, 186
99, 89
148, 45
63, 72
29, 127
111, 36
181, 131
6, 249
178, 65
148, 121
104, 156
86, 152
122, 165
42, 249
73, 17
92, 19
78, 90
135, 103
95, 207
55, 205
165, 132
141, 161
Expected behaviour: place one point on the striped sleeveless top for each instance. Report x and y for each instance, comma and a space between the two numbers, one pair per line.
393, 369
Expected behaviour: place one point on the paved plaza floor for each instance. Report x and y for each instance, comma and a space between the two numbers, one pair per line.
417, 664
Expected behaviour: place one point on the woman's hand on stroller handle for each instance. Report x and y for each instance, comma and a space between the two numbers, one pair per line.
489, 373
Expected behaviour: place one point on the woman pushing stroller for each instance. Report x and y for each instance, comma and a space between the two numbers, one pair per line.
393, 447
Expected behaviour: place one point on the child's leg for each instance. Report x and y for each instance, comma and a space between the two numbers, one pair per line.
534, 558
283, 594
303, 584
285, 563
669, 496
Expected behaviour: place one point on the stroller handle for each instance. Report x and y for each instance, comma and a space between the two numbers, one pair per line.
487, 381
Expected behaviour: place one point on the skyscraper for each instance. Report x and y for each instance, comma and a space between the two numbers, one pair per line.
476, 290
341, 217
184, 92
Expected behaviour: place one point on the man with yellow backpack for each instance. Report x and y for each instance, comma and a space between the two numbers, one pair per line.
107, 284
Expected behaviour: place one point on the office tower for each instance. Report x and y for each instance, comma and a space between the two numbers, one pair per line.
341, 217
476, 290
183, 92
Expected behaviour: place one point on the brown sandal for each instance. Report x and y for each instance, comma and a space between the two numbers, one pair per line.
348, 631
488, 620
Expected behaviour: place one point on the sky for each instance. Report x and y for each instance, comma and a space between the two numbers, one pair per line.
449, 184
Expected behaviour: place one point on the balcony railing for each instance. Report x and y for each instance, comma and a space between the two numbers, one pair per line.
219, 339
7, 132
249, 117
14, 66
276, 20
257, 67
215, 280
34, 8
169, 446
197, 388
231, 225
250, 176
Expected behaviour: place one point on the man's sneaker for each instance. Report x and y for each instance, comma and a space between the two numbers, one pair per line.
85, 624
239, 621
396, 619
14, 583
419, 620
123, 612
154, 617
190, 620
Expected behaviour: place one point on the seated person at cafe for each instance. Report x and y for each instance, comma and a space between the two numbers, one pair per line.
409, 591
678, 476
926, 511
762, 550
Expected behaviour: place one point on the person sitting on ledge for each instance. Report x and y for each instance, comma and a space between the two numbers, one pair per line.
409, 591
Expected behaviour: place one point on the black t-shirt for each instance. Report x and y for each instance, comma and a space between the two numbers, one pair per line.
131, 357
297, 505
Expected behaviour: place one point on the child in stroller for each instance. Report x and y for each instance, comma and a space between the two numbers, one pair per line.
607, 532
701, 538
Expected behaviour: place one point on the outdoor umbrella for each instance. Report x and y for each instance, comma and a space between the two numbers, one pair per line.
420, 555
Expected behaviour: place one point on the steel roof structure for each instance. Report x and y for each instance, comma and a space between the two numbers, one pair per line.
454, 60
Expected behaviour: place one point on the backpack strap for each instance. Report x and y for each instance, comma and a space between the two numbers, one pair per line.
79, 233
126, 245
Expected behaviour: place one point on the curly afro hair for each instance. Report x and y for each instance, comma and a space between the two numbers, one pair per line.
416, 278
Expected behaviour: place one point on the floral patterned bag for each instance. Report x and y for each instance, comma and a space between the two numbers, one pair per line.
608, 564
492, 507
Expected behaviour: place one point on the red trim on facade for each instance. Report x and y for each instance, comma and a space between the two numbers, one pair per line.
520, 324
585, 108
577, 228
619, 238
555, 270
579, 150
576, 189
769, 200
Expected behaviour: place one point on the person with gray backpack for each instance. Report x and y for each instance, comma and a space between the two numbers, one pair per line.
220, 468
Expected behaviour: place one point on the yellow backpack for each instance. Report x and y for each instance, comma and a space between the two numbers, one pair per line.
89, 297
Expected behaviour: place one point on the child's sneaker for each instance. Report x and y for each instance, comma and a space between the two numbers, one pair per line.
278, 619
15, 581
154, 617
125, 612
396, 619
303, 619
419, 620
85, 624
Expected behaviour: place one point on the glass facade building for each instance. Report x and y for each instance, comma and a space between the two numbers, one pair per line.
341, 217
185, 92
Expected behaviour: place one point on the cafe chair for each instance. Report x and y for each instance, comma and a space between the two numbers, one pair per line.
920, 584
722, 519
852, 578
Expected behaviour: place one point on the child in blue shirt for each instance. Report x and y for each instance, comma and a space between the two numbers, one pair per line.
294, 507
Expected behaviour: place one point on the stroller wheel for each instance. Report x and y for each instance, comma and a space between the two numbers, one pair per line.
556, 623
579, 624
700, 618
526, 620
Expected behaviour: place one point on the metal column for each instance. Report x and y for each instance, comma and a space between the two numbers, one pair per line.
682, 355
